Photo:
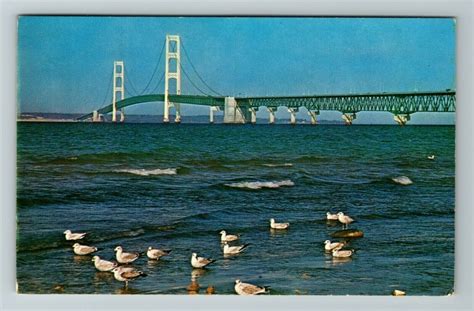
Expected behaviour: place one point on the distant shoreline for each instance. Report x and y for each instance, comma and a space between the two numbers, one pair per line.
36, 117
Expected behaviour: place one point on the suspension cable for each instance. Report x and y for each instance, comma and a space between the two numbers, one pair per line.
194, 68
173, 47
156, 68
108, 90
159, 83
195, 86
130, 83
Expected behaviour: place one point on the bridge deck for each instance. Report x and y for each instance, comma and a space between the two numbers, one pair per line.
397, 103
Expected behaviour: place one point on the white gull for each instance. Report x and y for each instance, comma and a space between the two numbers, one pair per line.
246, 289
83, 249
126, 274
200, 262
155, 253
125, 257
279, 226
330, 216
342, 253
233, 250
329, 246
103, 265
344, 219
228, 237
73, 236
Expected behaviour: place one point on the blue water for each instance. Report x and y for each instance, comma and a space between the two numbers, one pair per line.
176, 187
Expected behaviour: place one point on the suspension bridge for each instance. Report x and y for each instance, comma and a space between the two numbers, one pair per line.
244, 109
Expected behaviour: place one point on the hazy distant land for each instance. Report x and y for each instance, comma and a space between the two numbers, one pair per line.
203, 119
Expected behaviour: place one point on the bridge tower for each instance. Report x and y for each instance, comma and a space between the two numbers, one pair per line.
172, 72
119, 87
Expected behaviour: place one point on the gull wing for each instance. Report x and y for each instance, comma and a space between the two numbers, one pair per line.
130, 256
130, 274
251, 289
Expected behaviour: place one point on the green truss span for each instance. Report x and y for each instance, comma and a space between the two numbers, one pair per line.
183, 99
397, 103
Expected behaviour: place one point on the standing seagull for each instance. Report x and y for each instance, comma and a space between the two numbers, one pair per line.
124, 257
233, 250
228, 237
246, 289
155, 253
103, 265
328, 246
83, 249
200, 262
126, 274
344, 219
330, 216
73, 236
279, 226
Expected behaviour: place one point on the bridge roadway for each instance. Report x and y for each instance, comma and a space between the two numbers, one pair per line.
400, 104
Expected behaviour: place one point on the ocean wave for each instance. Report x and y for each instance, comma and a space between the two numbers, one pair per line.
278, 165
254, 185
145, 172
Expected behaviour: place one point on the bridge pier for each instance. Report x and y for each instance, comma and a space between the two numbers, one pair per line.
233, 114
211, 113
177, 118
271, 111
401, 119
95, 116
292, 112
253, 115
348, 117
122, 115
313, 115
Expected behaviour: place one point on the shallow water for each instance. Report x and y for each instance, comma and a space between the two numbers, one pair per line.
176, 187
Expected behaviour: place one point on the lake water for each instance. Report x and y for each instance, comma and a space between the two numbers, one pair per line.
176, 187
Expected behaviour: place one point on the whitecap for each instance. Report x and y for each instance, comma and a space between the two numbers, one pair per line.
278, 165
402, 180
262, 184
144, 172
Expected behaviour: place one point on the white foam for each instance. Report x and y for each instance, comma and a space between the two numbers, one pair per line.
262, 184
278, 165
402, 180
144, 172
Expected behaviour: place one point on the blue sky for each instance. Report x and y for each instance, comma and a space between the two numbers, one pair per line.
65, 63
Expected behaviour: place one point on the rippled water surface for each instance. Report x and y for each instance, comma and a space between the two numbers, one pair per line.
176, 187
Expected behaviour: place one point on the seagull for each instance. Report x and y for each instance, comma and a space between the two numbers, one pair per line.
126, 274
344, 219
402, 180
330, 216
103, 265
337, 253
73, 236
397, 292
233, 250
200, 262
124, 257
431, 157
328, 246
276, 225
246, 289
83, 249
155, 253
228, 237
